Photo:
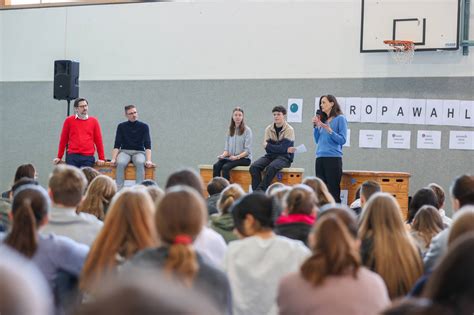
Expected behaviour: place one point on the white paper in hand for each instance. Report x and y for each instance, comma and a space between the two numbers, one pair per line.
301, 149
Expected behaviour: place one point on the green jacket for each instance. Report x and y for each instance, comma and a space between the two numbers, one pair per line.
224, 225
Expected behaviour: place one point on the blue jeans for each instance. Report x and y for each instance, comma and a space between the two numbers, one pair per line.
123, 158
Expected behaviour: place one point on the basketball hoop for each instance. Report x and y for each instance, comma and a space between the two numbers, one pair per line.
402, 51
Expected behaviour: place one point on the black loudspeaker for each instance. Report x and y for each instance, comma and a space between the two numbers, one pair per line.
66, 80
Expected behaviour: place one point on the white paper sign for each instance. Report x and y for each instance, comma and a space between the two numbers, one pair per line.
417, 112
400, 111
466, 113
383, 107
368, 110
353, 109
370, 138
295, 110
342, 104
428, 139
451, 112
398, 139
434, 112
348, 139
461, 140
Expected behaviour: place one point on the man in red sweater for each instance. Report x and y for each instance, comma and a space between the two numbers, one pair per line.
81, 133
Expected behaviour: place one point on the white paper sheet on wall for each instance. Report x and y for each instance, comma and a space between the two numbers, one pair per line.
295, 110
428, 139
398, 139
461, 140
370, 139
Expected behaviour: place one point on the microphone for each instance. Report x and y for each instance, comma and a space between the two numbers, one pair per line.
318, 114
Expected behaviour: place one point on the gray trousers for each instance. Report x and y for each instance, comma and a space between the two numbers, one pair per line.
123, 158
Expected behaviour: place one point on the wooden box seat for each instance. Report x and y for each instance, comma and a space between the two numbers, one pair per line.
241, 175
395, 183
130, 174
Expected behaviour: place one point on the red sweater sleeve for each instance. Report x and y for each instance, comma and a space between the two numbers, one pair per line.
99, 145
63, 140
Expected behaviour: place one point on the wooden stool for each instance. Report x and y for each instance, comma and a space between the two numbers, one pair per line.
130, 173
241, 175
395, 183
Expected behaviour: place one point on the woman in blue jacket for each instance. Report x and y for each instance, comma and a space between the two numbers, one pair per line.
330, 131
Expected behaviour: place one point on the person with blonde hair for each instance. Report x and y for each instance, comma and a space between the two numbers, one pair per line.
98, 197
387, 248
426, 224
332, 280
223, 223
300, 214
128, 228
320, 189
179, 219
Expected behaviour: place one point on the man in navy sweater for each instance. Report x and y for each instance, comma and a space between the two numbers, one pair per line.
132, 142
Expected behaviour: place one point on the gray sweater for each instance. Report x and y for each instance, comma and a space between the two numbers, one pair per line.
239, 143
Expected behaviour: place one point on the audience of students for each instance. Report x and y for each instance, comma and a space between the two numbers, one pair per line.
66, 189
300, 214
98, 196
462, 194
155, 252
423, 197
387, 248
256, 263
223, 223
332, 280
179, 219
426, 225
441, 198
214, 188
128, 229
320, 189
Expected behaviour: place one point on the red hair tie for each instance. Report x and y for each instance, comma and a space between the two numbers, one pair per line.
183, 239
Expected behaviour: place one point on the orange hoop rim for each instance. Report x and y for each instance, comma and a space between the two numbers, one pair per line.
400, 44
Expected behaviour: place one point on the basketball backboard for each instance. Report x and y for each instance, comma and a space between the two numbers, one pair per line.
430, 24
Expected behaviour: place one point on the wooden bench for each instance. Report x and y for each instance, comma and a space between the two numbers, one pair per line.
395, 183
241, 175
130, 174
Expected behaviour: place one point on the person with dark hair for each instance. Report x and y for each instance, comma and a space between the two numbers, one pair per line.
179, 219
51, 253
441, 197
279, 141
66, 189
330, 132
300, 215
256, 263
208, 243
238, 146
332, 272
24, 170
148, 183
214, 188
462, 194
187, 177
423, 197
367, 189
81, 135
452, 282
132, 143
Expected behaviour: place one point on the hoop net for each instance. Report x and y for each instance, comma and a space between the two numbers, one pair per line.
402, 51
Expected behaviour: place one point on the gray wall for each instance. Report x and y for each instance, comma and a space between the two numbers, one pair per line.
188, 120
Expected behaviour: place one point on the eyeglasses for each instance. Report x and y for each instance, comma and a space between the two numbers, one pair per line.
131, 113
83, 106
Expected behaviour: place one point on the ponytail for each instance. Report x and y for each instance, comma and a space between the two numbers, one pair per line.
182, 260
23, 236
